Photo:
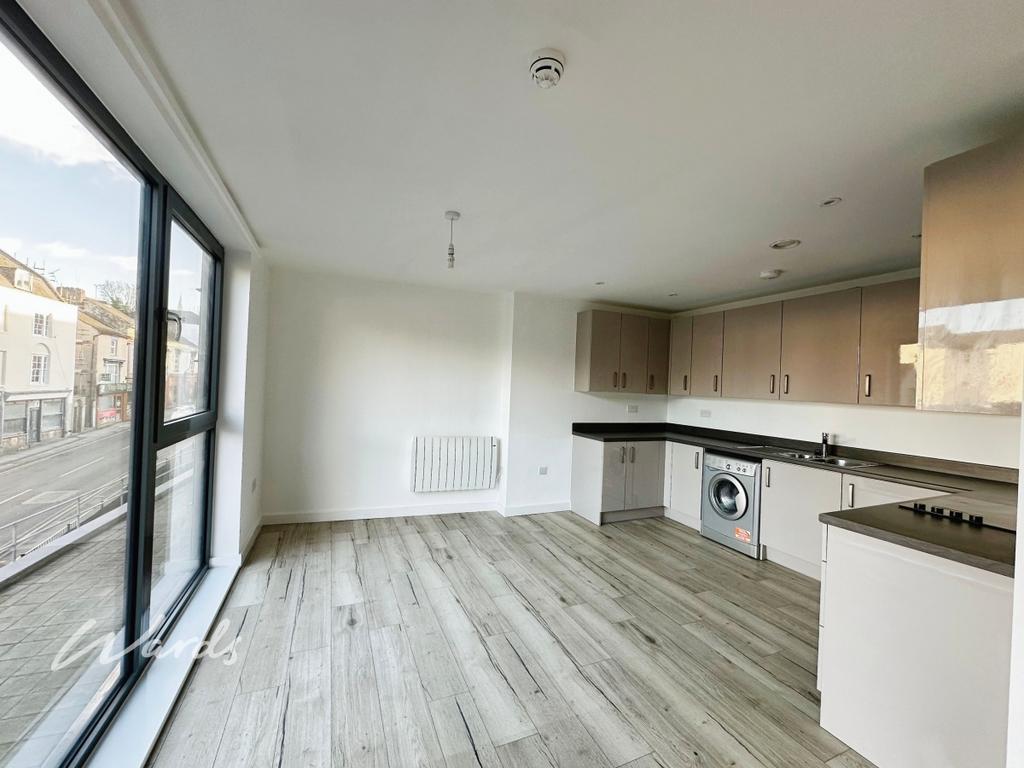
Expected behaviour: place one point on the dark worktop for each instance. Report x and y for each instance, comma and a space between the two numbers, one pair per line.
990, 549
966, 484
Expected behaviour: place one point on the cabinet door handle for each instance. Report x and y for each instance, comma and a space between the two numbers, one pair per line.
623, 379
850, 499
767, 477
686, 382
696, 459
632, 454
867, 385
771, 384
785, 384
615, 379
651, 385
715, 386
622, 455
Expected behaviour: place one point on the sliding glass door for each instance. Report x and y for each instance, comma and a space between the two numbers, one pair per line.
110, 295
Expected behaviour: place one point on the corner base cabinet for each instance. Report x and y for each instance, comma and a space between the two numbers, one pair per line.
615, 481
914, 655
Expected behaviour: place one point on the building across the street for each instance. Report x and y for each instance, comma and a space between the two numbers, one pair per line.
37, 357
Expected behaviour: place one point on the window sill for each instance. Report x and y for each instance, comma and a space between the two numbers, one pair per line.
136, 728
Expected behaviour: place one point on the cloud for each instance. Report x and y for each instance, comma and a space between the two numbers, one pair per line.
34, 119
11, 245
62, 251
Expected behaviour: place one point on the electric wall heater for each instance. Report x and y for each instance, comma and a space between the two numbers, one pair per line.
454, 463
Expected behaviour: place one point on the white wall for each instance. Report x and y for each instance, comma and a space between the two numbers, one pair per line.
1015, 730
355, 370
236, 510
543, 405
963, 437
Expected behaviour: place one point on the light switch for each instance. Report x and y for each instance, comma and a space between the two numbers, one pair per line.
543, 470
705, 414
632, 408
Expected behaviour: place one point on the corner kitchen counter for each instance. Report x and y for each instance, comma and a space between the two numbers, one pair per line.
991, 491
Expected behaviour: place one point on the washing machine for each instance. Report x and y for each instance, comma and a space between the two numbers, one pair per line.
730, 510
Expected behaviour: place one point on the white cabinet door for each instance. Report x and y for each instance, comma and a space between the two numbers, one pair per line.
867, 492
684, 495
645, 474
613, 477
792, 497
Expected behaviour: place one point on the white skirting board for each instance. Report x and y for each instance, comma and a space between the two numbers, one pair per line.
692, 521
536, 509
330, 515
811, 570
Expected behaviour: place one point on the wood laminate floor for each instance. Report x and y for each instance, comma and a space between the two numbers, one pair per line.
476, 640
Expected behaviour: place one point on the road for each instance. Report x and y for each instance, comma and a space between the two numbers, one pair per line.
55, 472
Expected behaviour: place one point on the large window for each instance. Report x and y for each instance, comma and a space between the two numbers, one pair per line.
106, 482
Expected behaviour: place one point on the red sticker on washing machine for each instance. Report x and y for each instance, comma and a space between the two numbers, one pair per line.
742, 534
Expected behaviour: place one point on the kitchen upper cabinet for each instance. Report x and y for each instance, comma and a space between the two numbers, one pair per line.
679, 358
751, 355
821, 346
597, 351
684, 490
861, 492
657, 356
633, 354
972, 281
706, 355
888, 343
615, 352
792, 497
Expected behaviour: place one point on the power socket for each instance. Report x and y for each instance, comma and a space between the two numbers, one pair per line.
543, 470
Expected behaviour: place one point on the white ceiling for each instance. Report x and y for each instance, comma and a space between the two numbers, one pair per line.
685, 136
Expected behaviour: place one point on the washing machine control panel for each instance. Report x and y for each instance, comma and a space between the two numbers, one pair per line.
730, 464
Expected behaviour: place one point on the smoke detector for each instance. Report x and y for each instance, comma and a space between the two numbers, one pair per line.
547, 67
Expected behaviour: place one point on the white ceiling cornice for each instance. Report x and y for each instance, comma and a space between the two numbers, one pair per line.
140, 57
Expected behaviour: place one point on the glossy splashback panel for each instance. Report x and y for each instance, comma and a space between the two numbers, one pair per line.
971, 329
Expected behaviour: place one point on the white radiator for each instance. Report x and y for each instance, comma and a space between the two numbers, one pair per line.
454, 463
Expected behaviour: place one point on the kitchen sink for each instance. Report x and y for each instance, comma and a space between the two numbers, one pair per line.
835, 461
795, 455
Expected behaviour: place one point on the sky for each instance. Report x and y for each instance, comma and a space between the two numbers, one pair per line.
68, 207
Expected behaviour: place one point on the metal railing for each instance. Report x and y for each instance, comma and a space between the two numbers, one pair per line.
30, 532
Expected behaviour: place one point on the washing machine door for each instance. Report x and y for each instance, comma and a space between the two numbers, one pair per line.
727, 496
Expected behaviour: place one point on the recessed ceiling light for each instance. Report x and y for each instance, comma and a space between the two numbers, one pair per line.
830, 202
770, 274
783, 245
599, 282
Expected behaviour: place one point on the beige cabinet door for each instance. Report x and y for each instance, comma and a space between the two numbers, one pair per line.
613, 477
751, 355
821, 347
633, 354
888, 343
679, 356
657, 356
706, 359
792, 497
972, 281
597, 351
645, 474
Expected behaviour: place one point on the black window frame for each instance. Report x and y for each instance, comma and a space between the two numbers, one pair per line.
159, 203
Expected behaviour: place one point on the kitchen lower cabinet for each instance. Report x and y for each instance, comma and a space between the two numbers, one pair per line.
861, 492
684, 470
614, 481
906, 636
792, 497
